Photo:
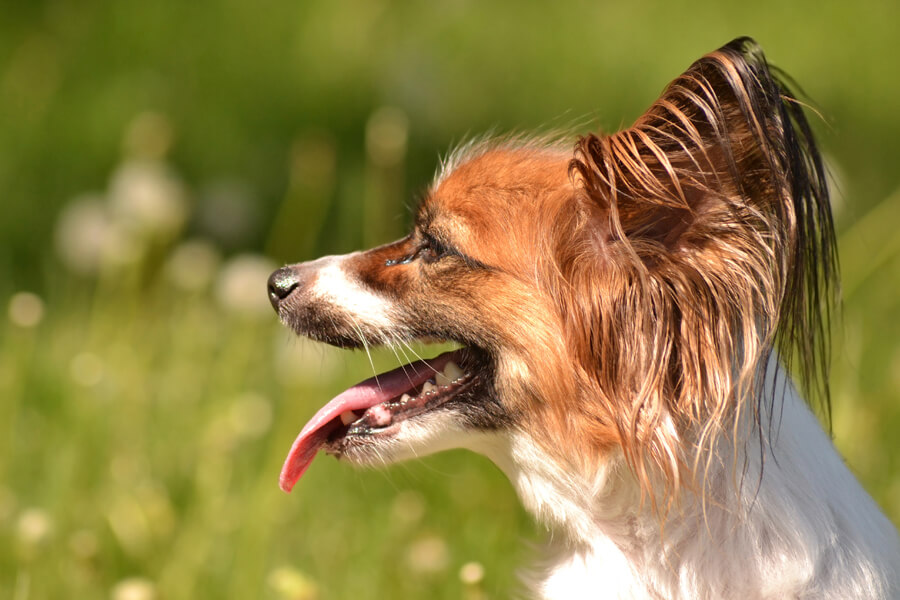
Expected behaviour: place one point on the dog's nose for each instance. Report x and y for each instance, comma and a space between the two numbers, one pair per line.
281, 283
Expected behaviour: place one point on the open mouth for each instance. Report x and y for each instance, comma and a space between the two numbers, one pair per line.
378, 406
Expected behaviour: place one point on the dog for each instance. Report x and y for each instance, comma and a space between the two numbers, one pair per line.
628, 313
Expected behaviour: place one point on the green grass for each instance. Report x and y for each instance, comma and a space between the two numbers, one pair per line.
147, 435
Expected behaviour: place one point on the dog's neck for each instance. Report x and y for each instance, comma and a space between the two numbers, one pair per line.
594, 522
769, 529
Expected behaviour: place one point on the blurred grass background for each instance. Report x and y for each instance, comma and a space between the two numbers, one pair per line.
157, 159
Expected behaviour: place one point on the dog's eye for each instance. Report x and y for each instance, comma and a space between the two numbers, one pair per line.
430, 250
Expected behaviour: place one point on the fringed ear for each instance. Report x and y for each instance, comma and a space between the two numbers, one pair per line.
715, 219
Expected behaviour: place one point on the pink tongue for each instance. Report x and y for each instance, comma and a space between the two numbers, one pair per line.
361, 396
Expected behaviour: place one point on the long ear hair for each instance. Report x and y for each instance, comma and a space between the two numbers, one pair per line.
712, 220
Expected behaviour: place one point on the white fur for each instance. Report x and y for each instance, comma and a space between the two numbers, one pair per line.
333, 286
789, 522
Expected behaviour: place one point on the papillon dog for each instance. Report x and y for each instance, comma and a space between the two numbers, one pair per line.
628, 311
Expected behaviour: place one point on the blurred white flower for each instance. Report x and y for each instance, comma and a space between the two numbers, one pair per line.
81, 231
33, 528
471, 573
134, 588
251, 415
427, 555
148, 198
87, 237
192, 265
291, 584
25, 309
241, 286
408, 507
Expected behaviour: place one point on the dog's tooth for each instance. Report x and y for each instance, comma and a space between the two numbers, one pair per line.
380, 415
441, 379
429, 385
348, 416
405, 398
452, 371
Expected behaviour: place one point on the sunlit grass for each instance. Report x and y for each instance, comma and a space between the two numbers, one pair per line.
142, 444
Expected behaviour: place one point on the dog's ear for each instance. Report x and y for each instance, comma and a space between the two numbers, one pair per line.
724, 161
726, 131
715, 228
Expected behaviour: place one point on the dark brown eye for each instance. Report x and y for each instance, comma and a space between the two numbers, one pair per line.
430, 250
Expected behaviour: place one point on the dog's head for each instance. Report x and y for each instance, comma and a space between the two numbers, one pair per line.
618, 299
472, 271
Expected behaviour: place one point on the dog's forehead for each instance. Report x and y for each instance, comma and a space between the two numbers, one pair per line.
494, 188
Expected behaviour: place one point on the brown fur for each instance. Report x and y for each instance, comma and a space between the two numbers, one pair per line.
686, 248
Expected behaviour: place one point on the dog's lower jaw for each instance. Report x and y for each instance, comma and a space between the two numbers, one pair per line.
801, 527
428, 433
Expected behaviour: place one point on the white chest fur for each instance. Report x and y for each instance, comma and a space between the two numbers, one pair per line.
792, 523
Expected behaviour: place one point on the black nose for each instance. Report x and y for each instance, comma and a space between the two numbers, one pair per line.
281, 283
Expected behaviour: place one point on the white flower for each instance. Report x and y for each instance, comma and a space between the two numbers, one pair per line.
471, 573
88, 238
34, 527
408, 507
148, 198
291, 584
242, 284
25, 309
427, 555
134, 588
